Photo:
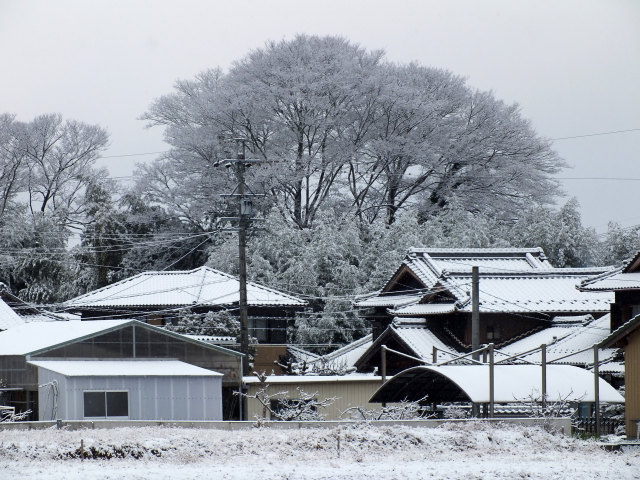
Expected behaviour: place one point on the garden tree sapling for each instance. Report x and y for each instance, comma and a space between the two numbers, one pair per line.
404, 410
279, 406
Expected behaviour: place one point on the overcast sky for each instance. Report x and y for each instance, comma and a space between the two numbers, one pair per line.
573, 66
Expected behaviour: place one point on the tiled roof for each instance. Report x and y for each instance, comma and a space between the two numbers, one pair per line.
541, 291
202, 286
564, 339
415, 334
348, 354
425, 309
389, 300
612, 281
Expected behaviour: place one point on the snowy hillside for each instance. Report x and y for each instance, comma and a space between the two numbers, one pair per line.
453, 451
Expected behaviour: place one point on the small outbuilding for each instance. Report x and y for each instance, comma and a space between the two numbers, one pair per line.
127, 390
129, 349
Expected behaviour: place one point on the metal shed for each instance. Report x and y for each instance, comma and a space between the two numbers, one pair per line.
127, 390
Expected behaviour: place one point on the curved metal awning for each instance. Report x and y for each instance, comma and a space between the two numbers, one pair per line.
512, 384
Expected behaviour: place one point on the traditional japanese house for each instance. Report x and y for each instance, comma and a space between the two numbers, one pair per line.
158, 297
520, 293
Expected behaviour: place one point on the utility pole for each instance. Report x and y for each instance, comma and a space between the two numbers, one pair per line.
245, 210
475, 326
475, 312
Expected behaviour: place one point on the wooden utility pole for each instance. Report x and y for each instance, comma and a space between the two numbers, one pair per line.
543, 364
244, 215
596, 388
475, 312
245, 210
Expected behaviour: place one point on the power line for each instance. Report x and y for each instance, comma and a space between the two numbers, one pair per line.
598, 134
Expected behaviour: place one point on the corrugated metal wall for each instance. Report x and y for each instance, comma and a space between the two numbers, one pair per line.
150, 398
349, 394
632, 383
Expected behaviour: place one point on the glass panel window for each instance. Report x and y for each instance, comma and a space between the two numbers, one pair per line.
94, 404
106, 404
117, 404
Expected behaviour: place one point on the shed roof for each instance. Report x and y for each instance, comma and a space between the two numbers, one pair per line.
31, 338
202, 286
512, 384
124, 368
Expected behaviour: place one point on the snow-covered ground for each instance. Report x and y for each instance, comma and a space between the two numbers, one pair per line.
453, 451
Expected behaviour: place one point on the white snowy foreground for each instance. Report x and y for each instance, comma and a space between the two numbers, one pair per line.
453, 451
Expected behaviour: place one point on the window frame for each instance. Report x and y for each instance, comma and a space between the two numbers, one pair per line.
106, 405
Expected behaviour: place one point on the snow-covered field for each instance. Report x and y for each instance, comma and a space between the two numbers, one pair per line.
453, 451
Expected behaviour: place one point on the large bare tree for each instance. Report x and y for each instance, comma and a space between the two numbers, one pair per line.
338, 127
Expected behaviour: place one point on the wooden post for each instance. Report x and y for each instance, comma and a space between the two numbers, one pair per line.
596, 388
383, 367
383, 363
434, 355
543, 365
475, 312
491, 381
82, 449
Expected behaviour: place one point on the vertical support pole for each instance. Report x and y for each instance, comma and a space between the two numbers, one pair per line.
383, 363
596, 388
242, 259
475, 324
491, 381
240, 396
134, 341
543, 365
383, 367
475, 311
434, 355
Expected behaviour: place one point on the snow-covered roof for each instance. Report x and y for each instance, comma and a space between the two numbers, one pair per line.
561, 340
124, 368
512, 383
348, 354
8, 318
416, 335
426, 309
213, 339
288, 379
202, 286
301, 355
511, 280
32, 337
389, 300
542, 291
613, 281
437, 260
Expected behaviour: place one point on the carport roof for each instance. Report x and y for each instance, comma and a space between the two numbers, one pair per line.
512, 384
